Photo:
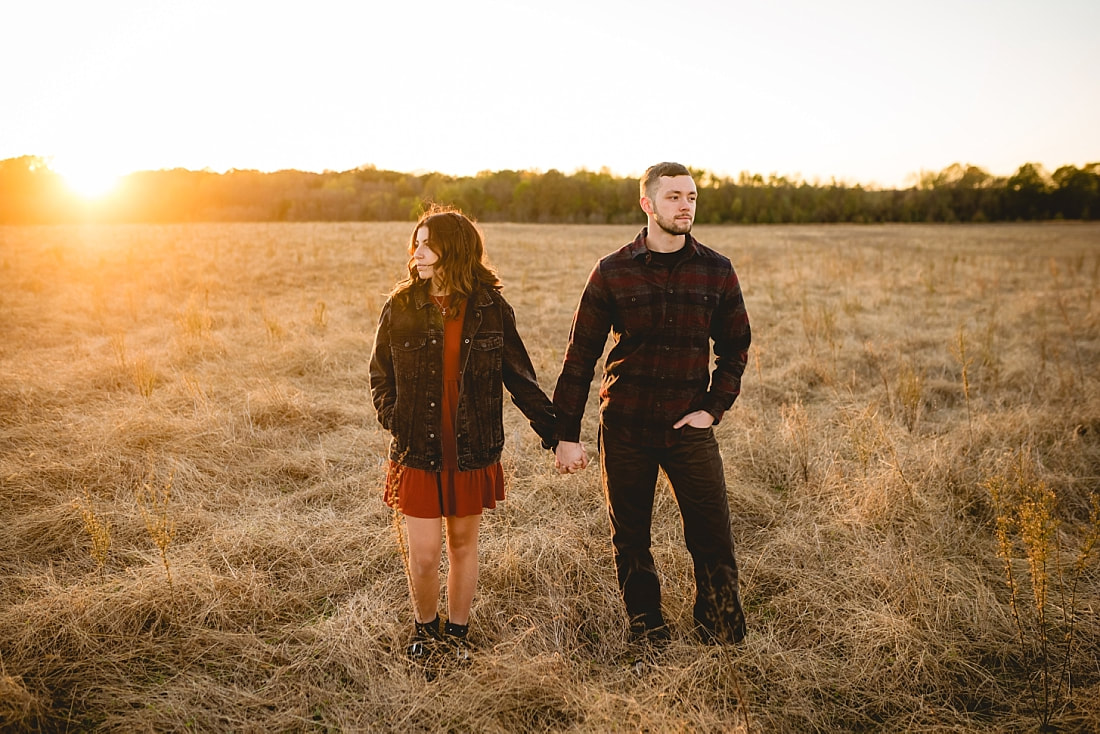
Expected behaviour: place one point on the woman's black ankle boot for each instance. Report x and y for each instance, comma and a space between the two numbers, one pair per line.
424, 634
455, 636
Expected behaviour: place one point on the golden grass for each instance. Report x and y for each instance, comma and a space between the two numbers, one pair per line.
194, 535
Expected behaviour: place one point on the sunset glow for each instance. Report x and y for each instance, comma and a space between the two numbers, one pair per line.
846, 90
88, 178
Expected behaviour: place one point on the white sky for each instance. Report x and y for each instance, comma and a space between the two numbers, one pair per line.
867, 91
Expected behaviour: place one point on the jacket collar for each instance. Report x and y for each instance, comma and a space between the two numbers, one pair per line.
480, 297
637, 248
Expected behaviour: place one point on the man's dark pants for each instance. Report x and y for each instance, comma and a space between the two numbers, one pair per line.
694, 469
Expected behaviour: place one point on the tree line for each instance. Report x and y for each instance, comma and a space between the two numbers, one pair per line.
31, 193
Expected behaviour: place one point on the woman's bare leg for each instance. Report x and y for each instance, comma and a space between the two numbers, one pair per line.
425, 551
462, 536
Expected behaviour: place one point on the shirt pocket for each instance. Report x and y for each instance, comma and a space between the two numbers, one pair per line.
639, 312
698, 311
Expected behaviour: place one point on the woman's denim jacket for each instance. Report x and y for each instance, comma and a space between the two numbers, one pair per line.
406, 380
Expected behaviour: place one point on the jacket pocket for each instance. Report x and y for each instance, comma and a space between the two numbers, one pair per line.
409, 353
487, 358
483, 385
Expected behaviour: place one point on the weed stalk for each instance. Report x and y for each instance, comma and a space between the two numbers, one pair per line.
98, 529
1027, 524
153, 503
959, 352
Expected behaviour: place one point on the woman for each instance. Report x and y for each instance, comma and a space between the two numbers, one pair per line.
446, 344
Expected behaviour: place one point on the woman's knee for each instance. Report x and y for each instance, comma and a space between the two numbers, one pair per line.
462, 536
424, 563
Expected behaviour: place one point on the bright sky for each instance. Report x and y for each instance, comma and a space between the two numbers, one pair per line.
866, 91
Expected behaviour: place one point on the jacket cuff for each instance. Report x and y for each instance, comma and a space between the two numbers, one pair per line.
569, 432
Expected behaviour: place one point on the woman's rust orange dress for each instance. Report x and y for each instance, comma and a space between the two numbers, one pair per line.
450, 492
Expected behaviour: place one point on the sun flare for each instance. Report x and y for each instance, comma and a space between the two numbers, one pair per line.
88, 179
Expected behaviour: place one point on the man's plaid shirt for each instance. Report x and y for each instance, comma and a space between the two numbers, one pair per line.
662, 323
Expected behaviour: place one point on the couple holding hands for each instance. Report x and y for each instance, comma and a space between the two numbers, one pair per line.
446, 347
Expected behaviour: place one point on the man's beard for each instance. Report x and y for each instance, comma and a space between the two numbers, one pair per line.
672, 226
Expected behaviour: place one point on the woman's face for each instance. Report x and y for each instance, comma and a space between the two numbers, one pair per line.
424, 256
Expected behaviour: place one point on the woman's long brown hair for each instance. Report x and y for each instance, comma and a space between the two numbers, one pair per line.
463, 265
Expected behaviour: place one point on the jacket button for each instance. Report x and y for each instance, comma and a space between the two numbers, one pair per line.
406, 344
467, 341
433, 341
431, 404
431, 435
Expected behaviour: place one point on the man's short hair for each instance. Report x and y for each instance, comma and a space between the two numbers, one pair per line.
647, 187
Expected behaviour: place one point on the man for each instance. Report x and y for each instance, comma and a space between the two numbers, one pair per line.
664, 297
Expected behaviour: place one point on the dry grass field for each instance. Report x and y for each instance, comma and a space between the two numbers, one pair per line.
192, 535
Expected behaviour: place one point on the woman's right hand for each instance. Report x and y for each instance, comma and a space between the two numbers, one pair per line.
570, 457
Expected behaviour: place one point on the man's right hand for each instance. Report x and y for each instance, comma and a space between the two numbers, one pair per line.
570, 457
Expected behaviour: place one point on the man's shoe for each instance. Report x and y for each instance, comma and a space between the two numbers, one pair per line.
720, 618
732, 632
649, 627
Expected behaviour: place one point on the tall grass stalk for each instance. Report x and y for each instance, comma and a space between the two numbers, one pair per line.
910, 392
881, 369
1027, 529
393, 481
97, 527
796, 427
1072, 339
153, 502
958, 350
320, 316
144, 375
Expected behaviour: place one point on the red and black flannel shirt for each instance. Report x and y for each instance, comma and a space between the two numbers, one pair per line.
662, 323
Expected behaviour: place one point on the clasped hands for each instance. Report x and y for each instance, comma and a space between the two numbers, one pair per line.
570, 456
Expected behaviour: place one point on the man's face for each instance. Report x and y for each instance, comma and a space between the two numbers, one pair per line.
673, 204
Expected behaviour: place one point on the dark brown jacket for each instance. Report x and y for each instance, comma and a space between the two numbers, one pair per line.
406, 380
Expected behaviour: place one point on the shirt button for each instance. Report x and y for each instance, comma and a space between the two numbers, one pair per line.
431, 435
406, 344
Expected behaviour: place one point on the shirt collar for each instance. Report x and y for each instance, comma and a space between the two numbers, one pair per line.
637, 248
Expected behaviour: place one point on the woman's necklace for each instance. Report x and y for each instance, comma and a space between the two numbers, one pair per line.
439, 301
